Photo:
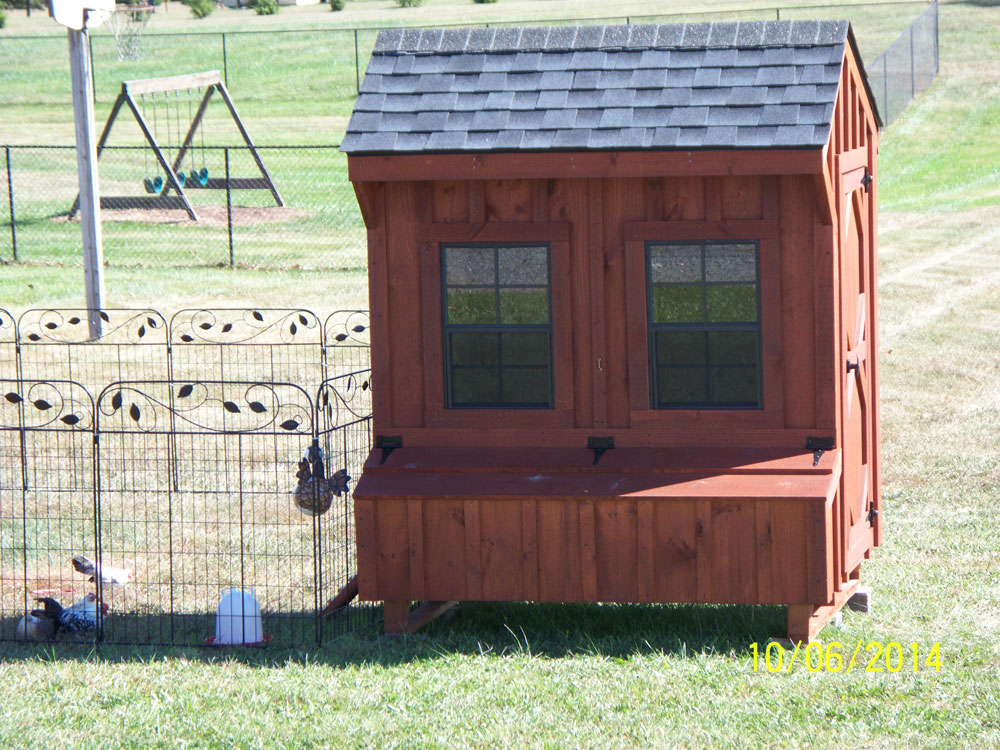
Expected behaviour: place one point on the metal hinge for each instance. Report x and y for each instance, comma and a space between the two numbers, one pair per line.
600, 445
388, 444
819, 446
867, 180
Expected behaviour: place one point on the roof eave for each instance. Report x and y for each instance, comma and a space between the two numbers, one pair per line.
864, 76
549, 164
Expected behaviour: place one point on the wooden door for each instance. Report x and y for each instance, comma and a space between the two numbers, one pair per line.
857, 482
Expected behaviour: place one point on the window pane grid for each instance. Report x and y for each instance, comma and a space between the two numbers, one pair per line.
721, 367
498, 348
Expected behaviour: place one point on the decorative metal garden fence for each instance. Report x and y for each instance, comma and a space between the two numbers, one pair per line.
180, 458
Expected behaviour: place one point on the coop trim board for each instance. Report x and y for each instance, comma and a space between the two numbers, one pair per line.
554, 165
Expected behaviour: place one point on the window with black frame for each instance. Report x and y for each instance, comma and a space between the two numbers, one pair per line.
704, 325
497, 326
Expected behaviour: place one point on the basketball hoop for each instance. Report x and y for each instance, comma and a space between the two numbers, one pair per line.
127, 23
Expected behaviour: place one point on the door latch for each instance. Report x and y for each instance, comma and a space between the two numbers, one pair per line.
867, 180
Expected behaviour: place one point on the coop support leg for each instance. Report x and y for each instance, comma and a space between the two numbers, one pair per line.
806, 620
395, 613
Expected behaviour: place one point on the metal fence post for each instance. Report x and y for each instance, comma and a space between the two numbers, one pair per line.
225, 62
885, 83
913, 68
357, 64
10, 201
229, 211
937, 69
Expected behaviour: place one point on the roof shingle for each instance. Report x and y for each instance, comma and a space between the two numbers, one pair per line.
756, 84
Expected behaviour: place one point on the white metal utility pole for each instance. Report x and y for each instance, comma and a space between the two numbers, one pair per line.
86, 164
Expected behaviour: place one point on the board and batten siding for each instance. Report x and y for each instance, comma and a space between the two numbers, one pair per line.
603, 224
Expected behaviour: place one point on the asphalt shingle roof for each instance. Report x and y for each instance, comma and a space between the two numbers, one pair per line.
756, 84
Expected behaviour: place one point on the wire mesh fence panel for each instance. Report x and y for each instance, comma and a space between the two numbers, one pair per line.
214, 512
202, 475
47, 511
58, 344
247, 344
344, 408
8, 346
348, 342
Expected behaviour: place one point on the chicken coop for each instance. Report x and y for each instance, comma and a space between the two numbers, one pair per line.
623, 299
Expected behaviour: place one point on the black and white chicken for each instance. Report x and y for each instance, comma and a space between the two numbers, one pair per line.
108, 574
79, 617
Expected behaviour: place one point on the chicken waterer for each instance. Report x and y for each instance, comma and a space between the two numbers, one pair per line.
238, 621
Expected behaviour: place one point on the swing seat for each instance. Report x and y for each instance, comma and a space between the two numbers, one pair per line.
149, 186
202, 176
181, 179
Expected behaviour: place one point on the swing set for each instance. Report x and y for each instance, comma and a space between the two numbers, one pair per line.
166, 189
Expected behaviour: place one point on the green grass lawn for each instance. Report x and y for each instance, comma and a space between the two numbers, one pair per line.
652, 676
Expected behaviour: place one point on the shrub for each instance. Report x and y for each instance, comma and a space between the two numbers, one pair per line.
409, 3
266, 7
336, 5
201, 8
3, 19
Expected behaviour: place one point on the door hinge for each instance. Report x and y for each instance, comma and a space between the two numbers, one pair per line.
600, 445
819, 446
388, 444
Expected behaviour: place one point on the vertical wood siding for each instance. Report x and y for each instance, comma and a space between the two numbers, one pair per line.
621, 550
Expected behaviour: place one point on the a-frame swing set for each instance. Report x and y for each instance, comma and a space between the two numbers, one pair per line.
174, 180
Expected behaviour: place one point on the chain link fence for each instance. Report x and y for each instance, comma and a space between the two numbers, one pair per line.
296, 98
908, 67
318, 227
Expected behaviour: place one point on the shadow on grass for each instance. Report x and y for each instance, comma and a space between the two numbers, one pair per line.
540, 630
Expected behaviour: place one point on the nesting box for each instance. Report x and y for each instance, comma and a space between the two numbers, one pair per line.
623, 297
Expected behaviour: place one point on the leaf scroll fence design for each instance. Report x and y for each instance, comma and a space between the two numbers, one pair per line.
177, 461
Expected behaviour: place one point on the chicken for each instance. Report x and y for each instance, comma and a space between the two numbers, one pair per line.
35, 628
315, 491
117, 576
79, 617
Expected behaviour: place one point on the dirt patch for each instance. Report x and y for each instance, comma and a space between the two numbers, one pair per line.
210, 216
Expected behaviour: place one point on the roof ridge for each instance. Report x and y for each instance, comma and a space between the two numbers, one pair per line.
617, 37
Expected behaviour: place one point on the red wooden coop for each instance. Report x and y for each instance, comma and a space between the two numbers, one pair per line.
623, 301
